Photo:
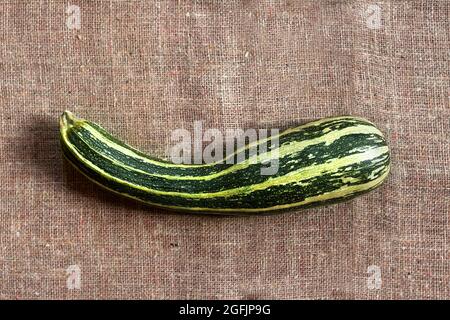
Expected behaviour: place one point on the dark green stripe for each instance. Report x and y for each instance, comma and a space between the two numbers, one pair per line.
273, 196
249, 176
302, 135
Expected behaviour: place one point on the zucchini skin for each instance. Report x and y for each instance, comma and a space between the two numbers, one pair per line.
321, 162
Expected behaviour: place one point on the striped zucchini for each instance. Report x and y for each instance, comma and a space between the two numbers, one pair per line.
322, 162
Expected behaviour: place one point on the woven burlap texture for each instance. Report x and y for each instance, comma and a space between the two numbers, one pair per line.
145, 68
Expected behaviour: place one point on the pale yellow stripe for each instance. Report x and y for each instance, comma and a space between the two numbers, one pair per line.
132, 151
283, 150
301, 174
344, 191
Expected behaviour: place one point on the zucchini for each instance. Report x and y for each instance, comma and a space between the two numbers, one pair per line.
322, 162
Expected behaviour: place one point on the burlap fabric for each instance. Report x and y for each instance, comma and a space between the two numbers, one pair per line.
145, 68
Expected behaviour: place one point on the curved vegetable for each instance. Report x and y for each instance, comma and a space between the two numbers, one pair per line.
322, 162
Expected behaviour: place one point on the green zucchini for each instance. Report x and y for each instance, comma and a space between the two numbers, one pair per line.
322, 162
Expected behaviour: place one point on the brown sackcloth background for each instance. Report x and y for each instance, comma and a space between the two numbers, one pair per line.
145, 68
